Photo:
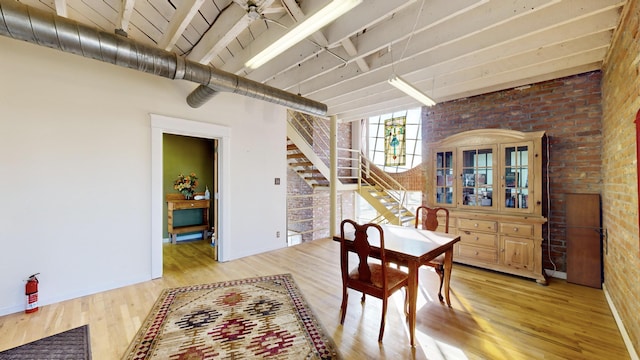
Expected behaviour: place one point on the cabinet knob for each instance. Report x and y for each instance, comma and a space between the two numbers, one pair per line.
191, 205
515, 229
477, 238
477, 253
475, 225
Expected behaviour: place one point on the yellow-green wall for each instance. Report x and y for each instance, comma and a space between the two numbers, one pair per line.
184, 155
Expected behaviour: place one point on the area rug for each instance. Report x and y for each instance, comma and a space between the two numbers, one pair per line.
73, 344
255, 318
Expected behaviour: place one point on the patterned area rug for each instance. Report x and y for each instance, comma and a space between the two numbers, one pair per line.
73, 344
264, 317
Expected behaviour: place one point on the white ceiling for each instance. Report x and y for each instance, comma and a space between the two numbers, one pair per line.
449, 49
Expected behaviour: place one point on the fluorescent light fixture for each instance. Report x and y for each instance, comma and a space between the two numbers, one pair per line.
408, 89
301, 31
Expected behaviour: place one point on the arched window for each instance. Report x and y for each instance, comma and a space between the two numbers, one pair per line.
394, 141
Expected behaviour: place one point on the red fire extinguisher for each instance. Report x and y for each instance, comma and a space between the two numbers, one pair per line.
31, 290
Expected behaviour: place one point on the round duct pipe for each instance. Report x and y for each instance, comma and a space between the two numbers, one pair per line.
22, 22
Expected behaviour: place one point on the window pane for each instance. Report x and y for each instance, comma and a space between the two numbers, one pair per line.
409, 145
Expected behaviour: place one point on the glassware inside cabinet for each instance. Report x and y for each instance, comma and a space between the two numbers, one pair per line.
477, 177
516, 177
445, 183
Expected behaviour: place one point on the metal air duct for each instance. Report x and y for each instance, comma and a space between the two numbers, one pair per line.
22, 22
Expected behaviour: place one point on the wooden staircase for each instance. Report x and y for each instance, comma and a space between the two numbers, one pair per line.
387, 205
379, 189
304, 167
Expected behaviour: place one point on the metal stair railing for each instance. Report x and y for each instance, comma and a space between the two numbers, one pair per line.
314, 131
377, 178
311, 134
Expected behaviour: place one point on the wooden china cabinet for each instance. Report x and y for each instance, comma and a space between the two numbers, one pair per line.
491, 182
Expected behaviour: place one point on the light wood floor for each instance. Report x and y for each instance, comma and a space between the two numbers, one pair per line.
493, 316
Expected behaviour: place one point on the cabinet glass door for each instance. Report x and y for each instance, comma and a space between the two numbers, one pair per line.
516, 177
477, 177
445, 183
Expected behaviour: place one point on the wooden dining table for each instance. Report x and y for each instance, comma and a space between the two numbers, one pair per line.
413, 248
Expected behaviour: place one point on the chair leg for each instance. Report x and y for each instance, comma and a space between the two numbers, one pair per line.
440, 271
382, 322
363, 297
343, 306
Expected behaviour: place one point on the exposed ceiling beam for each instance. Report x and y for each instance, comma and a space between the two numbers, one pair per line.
350, 48
61, 7
179, 21
373, 8
445, 48
232, 21
230, 24
395, 31
124, 15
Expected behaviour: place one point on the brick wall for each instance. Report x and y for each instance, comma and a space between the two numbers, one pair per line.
411, 179
621, 101
567, 109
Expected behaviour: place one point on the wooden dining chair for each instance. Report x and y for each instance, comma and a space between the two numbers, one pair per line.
374, 278
429, 221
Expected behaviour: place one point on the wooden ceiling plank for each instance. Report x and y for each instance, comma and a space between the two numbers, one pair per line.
490, 44
535, 56
448, 59
378, 9
531, 70
179, 21
522, 81
296, 12
533, 73
231, 22
396, 31
100, 15
436, 89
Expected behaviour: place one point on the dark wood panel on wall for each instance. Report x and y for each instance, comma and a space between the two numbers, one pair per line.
584, 241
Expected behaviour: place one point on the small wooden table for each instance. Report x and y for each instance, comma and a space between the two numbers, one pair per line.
414, 248
181, 204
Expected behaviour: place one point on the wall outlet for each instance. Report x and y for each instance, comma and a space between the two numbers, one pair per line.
277, 234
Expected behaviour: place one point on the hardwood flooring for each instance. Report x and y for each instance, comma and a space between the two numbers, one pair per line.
493, 316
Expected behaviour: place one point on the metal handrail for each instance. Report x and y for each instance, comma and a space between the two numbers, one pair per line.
351, 166
384, 181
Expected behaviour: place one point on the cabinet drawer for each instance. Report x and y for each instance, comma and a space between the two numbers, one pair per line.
194, 204
516, 229
483, 225
476, 238
478, 253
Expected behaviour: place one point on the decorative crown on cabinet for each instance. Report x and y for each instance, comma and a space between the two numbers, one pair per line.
491, 180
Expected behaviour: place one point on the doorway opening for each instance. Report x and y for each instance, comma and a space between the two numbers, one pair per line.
161, 125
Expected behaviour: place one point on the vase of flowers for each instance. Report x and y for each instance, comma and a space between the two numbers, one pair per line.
186, 185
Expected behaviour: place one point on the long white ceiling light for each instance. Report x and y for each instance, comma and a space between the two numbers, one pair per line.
408, 89
301, 31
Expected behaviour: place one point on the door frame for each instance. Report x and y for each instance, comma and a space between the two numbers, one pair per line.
160, 125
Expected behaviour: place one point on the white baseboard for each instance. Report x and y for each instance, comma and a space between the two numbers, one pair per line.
623, 331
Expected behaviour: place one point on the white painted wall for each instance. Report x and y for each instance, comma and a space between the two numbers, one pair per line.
75, 171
